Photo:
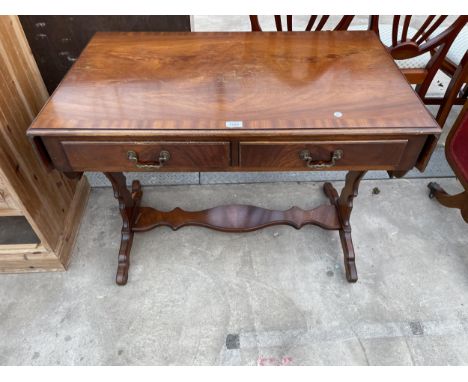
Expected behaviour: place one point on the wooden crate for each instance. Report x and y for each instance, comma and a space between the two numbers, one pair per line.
52, 204
8, 204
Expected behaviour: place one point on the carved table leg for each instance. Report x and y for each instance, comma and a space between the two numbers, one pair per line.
129, 203
459, 201
344, 205
234, 218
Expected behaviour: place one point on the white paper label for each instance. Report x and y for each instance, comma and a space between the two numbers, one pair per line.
234, 124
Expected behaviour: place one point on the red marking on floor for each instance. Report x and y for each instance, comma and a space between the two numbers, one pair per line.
272, 361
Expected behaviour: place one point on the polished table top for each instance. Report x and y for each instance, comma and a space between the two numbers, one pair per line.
220, 81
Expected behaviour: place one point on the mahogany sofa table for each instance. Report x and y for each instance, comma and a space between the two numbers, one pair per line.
294, 101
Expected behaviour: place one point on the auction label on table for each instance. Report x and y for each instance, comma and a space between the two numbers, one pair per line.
234, 124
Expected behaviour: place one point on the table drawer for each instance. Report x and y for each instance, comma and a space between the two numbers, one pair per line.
146, 156
385, 154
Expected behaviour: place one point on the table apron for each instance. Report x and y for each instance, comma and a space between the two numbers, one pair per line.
186, 155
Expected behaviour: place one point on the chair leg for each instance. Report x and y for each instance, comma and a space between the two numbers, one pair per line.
464, 92
454, 88
459, 201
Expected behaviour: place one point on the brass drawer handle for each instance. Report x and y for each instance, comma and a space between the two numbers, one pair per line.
164, 156
305, 156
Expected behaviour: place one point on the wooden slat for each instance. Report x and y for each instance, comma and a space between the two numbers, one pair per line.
44, 198
8, 205
74, 217
396, 23
289, 23
344, 23
406, 23
254, 23
14, 249
431, 30
422, 28
311, 22
20, 258
278, 23
10, 212
37, 189
322, 22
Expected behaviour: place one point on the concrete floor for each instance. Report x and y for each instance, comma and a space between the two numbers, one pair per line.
274, 297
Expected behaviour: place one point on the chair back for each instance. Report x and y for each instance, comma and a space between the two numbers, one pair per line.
315, 23
427, 38
455, 87
456, 147
404, 46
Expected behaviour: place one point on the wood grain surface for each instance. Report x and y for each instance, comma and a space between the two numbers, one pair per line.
236, 218
286, 154
51, 203
57, 40
113, 156
192, 81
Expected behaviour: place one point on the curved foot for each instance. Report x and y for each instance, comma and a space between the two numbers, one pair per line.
459, 201
124, 255
351, 272
122, 274
435, 189
349, 257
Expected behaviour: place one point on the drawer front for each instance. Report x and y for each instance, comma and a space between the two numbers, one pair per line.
146, 156
322, 155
